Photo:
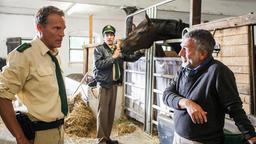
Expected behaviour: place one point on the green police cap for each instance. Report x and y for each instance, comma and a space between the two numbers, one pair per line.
108, 29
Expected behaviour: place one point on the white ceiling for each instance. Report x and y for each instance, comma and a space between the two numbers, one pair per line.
110, 9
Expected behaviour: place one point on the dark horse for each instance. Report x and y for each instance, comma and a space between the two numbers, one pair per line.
150, 30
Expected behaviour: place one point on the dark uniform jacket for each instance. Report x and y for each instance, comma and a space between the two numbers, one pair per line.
103, 65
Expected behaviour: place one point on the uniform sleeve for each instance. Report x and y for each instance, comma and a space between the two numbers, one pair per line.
100, 61
229, 97
170, 95
14, 75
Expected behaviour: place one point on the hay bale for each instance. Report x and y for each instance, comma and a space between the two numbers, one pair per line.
124, 126
72, 100
81, 121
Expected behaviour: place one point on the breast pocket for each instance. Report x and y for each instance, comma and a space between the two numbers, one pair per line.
45, 75
45, 71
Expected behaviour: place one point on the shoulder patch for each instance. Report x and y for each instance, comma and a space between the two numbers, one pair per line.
23, 47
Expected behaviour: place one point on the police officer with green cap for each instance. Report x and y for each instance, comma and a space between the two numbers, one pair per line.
108, 29
108, 72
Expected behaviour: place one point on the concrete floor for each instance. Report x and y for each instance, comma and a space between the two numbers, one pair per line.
137, 137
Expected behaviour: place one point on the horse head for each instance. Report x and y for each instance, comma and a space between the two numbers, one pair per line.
141, 37
150, 30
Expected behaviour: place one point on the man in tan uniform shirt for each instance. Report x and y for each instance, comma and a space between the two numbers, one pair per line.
30, 73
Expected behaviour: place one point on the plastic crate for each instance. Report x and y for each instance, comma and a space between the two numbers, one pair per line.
165, 129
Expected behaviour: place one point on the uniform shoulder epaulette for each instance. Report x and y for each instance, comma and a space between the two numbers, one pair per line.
23, 47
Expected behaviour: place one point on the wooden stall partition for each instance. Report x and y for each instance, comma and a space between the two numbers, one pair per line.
235, 45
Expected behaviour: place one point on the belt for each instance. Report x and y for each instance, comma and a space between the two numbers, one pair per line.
117, 82
40, 125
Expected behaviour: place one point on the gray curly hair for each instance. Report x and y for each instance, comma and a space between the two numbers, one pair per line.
203, 39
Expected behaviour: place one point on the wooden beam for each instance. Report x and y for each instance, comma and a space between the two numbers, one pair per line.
252, 62
90, 29
249, 19
86, 49
195, 12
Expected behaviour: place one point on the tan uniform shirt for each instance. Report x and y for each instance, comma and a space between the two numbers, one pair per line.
31, 75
